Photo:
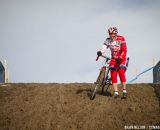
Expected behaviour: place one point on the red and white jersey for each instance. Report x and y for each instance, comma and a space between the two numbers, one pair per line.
118, 47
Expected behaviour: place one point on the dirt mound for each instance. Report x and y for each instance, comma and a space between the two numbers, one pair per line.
68, 107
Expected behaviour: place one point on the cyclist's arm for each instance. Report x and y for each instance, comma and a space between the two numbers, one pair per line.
103, 49
105, 46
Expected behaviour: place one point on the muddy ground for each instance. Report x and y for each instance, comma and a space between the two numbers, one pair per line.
68, 107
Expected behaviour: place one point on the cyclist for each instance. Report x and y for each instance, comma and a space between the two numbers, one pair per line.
118, 48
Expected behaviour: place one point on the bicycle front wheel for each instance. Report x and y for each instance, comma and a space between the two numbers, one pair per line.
93, 94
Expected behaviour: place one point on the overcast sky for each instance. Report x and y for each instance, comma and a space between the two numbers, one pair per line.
57, 40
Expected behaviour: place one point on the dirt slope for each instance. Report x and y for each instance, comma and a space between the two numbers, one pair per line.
68, 107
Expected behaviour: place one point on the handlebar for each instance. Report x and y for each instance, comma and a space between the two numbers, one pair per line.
107, 58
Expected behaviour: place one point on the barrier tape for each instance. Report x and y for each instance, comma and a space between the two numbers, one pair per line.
140, 74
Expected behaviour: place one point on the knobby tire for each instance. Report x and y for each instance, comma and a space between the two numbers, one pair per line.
98, 83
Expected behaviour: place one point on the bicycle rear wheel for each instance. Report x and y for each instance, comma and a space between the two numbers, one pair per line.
105, 89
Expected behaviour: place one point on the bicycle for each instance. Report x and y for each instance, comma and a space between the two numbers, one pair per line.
103, 79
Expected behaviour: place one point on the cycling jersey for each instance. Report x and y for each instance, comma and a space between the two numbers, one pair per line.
118, 47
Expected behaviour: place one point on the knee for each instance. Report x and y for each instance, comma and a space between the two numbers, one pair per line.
123, 67
112, 68
122, 71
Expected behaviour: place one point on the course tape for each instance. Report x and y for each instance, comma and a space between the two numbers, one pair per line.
140, 75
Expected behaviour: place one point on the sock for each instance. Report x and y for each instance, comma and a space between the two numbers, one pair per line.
124, 91
116, 93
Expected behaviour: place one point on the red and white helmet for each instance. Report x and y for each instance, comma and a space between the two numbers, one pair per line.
112, 30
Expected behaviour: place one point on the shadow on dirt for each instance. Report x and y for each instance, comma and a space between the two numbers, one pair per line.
107, 94
89, 92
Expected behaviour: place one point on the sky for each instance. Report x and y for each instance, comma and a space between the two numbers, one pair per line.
57, 40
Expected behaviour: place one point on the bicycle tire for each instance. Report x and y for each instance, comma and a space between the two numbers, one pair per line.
101, 77
98, 83
105, 88
93, 95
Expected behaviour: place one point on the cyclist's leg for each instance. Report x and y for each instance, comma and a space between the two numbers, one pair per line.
114, 79
122, 76
114, 76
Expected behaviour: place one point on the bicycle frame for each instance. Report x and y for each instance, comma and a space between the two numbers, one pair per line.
104, 73
103, 79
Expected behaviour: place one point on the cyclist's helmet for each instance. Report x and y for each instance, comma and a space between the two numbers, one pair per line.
112, 30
